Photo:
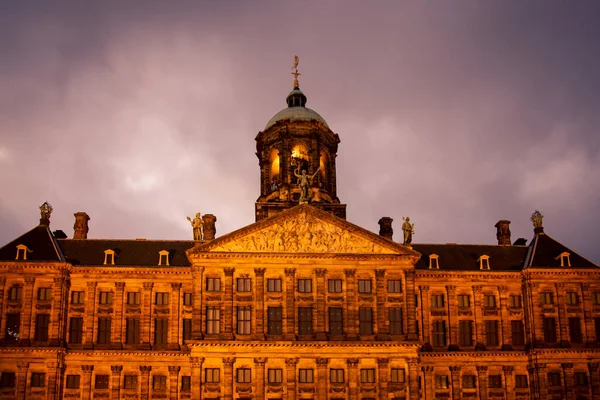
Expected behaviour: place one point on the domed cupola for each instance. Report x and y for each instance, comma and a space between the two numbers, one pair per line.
296, 153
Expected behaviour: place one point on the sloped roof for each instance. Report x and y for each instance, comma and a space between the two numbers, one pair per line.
39, 240
546, 250
465, 256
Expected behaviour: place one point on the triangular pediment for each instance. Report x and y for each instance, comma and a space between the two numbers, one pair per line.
304, 229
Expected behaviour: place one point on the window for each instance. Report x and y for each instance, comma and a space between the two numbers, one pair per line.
335, 285
434, 262
7, 380
336, 375
77, 297
395, 286
364, 286
495, 381
441, 382
132, 331
437, 300
597, 328
133, 298
213, 319
109, 257
101, 382
514, 301
581, 379
187, 329
244, 320
13, 326
395, 319
161, 329
213, 284
131, 381
187, 299
554, 379
243, 375
41, 327
44, 294
103, 330
73, 381
575, 330
464, 301
439, 333
468, 382
549, 330
305, 285
336, 322
76, 330
105, 298
161, 299
305, 375
596, 298
212, 375
244, 284
521, 382
491, 333
547, 298
159, 382
274, 320
275, 376
484, 262
163, 257
15, 293
367, 375
22, 251
398, 375
465, 333
489, 301
518, 334
186, 383
38, 379
565, 260
274, 285
365, 317
305, 322
572, 298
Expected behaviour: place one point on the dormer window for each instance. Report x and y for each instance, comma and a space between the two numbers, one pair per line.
565, 259
484, 262
163, 257
109, 257
434, 261
22, 251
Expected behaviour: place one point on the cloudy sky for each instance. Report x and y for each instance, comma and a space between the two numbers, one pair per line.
457, 114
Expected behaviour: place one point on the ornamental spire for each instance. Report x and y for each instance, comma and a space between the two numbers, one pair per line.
296, 73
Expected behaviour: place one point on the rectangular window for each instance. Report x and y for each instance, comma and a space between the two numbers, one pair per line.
336, 375
554, 379
398, 375
514, 301
465, 333
489, 301
597, 328
394, 286
495, 381
42, 322
395, 319
491, 333
243, 375
441, 382
336, 321
437, 300
77, 297
439, 333
275, 376
364, 286
7, 380
212, 375
464, 301
13, 326
243, 284
186, 383
581, 379
518, 334
365, 317
44, 294
76, 330
547, 298
161, 329
274, 285
367, 375
521, 382
101, 382
161, 299
132, 331
105, 298
334, 285
572, 298
15, 294
274, 318
131, 382
244, 320
468, 382
575, 330
73, 381
103, 331
305, 321
596, 298
133, 298
549, 330
305, 375
305, 285
38, 379
213, 320
213, 284
187, 329
187, 299
159, 382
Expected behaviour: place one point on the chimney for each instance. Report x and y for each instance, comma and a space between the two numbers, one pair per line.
385, 227
210, 229
81, 227
503, 232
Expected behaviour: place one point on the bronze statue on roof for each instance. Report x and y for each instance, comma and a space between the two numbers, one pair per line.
197, 226
409, 231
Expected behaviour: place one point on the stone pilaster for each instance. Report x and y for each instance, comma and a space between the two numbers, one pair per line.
542, 380
505, 328
413, 378
174, 317
482, 382
27, 315
561, 305
353, 378
594, 380
478, 315
2, 311
411, 310
86, 384
117, 326
568, 376
382, 327
455, 382
227, 321
228, 381
145, 381
509, 382
428, 382
259, 379
350, 324
320, 328
55, 373
533, 382
197, 274
452, 321
290, 308
90, 314
259, 290
173, 381
196, 365
146, 320
22, 368
115, 384
382, 368
322, 378
59, 293
290, 367
589, 335
425, 314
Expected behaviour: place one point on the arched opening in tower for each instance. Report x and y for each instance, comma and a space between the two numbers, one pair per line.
274, 177
299, 158
324, 171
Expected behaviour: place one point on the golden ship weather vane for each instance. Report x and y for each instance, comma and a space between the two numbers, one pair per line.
296, 73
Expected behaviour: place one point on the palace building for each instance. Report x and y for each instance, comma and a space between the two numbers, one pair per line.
301, 304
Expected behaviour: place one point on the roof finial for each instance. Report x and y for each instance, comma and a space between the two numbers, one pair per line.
296, 73
537, 219
45, 211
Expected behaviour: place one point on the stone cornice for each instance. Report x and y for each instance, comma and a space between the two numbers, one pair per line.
307, 344
533, 273
132, 270
481, 354
468, 274
18, 266
399, 258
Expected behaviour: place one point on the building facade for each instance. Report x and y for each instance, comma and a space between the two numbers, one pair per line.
302, 304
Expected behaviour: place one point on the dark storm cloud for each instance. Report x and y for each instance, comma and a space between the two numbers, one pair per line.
457, 114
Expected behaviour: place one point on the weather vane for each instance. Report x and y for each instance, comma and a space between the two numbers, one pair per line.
296, 73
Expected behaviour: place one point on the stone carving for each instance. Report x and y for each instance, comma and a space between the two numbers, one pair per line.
409, 231
196, 226
45, 211
304, 182
537, 219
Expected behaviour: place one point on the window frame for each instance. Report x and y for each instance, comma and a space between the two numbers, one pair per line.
101, 381
77, 297
159, 382
161, 299
396, 320
161, 331
495, 381
461, 301
44, 294
464, 326
336, 376
306, 375
437, 301
365, 320
367, 375
243, 375
105, 298
441, 382
398, 375
130, 382
394, 286
275, 320
492, 337
244, 320
72, 381
243, 285
439, 333
365, 286
210, 373
213, 320
134, 298
38, 379
305, 285
335, 285
213, 284
274, 285
275, 376
76, 330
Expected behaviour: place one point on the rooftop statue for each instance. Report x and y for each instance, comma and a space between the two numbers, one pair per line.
296, 73
537, 219
304, 182
409, 230
197, 226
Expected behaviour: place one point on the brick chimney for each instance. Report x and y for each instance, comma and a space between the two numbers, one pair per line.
81, 227
385, 227
210, 229
503, 232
